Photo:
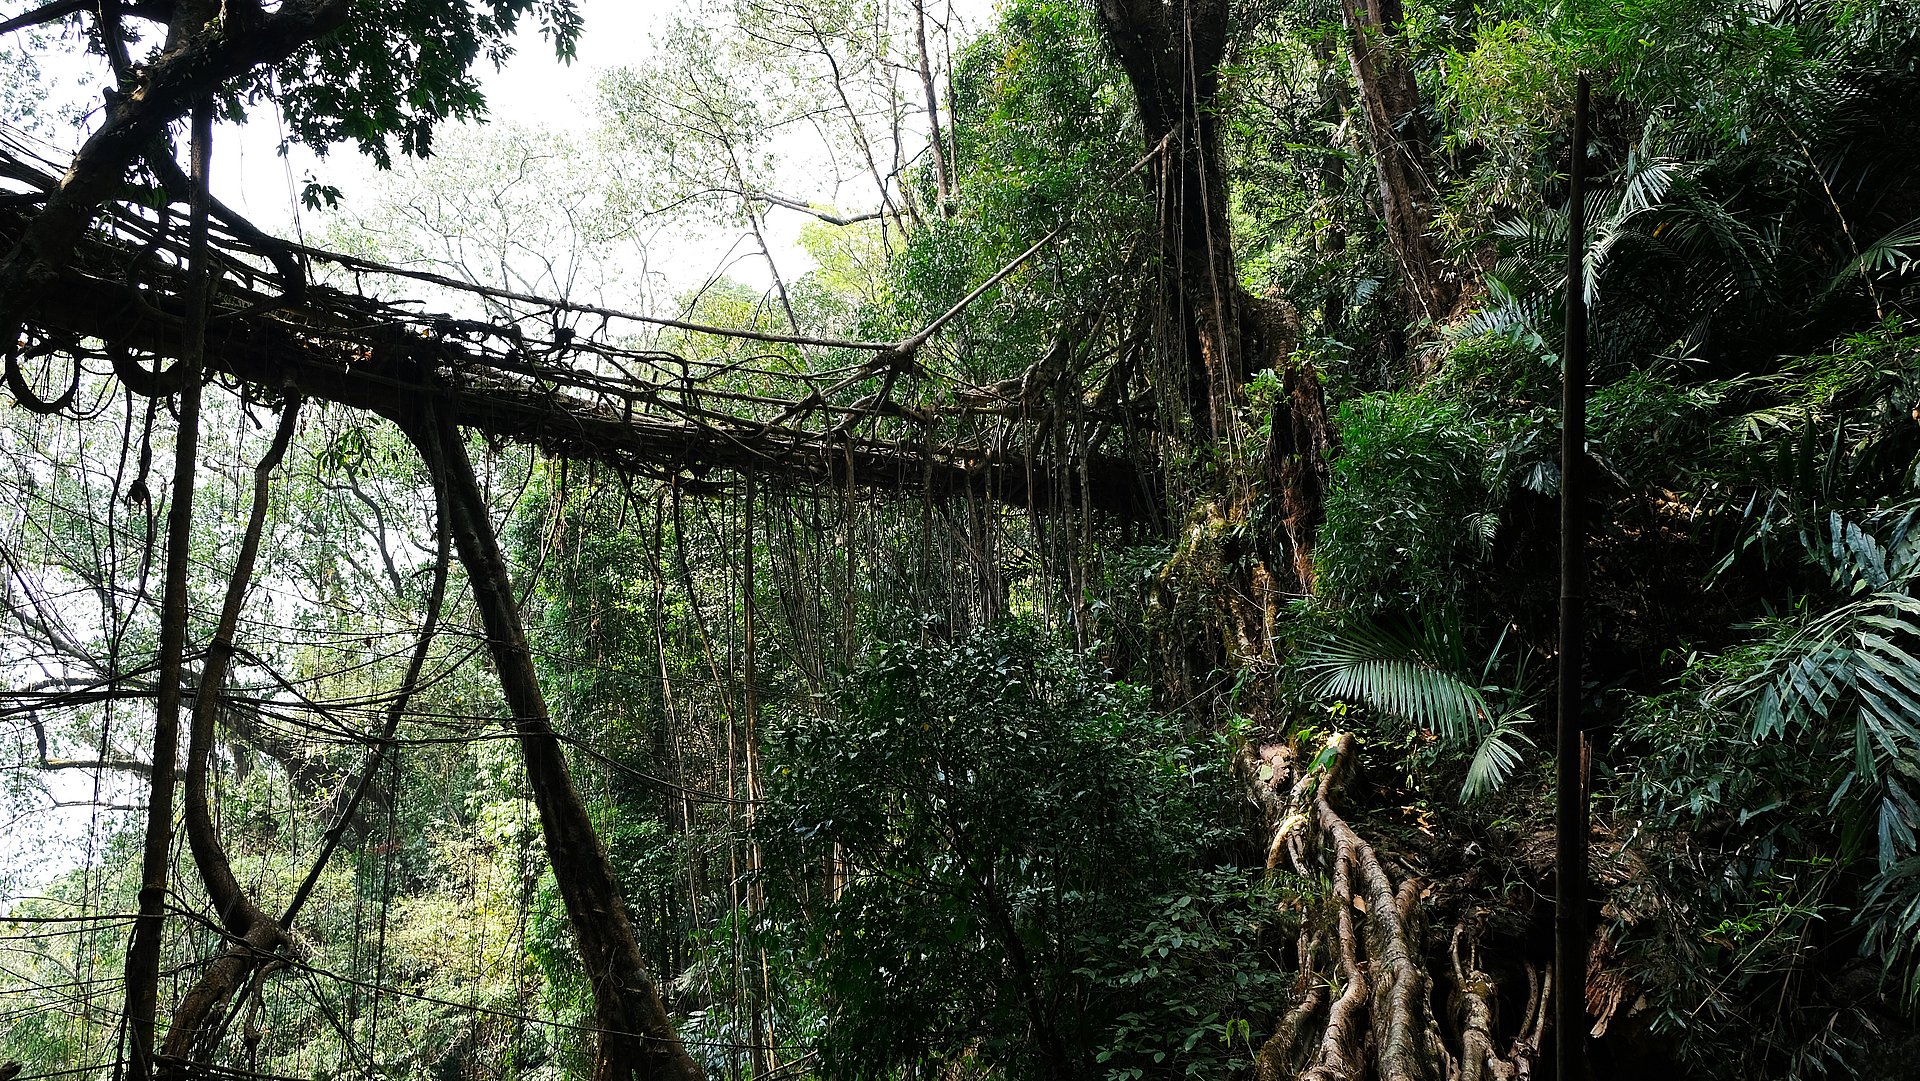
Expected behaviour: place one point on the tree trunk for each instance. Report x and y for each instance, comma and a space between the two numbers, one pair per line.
937, 141
636, 1037
1390, 105
1171, 56
143, 956
255, 935
1214, 334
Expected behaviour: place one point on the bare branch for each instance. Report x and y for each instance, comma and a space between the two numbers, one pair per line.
45, 13
808, 208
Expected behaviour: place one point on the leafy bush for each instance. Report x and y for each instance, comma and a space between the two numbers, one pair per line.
1489, 370
1013, 845
1774, 795
1649, 429
1415, 493
1734, 893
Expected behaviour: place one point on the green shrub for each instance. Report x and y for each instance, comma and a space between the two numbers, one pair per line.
1415, 494
1019, 847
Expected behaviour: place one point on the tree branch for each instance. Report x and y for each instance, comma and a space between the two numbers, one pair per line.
126, 765
808, 208
199, 67
44, 14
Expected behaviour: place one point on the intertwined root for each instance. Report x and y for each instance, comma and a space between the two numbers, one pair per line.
1473, 990
1370, 989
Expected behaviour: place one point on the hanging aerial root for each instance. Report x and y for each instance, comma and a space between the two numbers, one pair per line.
1380, 1022
251, 932
256, 942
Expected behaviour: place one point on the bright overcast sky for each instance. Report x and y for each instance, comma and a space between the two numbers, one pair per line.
534, 90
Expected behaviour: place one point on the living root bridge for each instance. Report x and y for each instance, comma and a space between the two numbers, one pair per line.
1363, 1004
338, 347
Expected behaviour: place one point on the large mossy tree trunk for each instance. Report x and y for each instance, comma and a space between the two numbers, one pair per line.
636, 1037
1171, 55
1213, 333
1391, 109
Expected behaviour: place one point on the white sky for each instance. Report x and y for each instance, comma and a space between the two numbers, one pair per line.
534, 89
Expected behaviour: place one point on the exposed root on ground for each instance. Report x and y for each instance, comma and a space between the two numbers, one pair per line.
1474, 1000
1364, 975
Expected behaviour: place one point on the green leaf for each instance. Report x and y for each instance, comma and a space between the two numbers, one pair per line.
1418, 677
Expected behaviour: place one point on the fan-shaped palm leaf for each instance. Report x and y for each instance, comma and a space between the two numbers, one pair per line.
1414, 673
1418, 673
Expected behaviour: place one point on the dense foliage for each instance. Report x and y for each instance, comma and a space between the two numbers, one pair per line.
902, 784
1017, 850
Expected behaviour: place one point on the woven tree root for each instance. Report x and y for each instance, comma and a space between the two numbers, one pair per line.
1474, 995
256, 942
1363, 1005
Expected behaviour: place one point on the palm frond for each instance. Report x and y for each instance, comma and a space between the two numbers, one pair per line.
1496, 758
1850, 675
1897, 252
1416, 674
1646, 186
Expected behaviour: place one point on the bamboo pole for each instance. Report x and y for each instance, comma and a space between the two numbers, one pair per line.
1570, 796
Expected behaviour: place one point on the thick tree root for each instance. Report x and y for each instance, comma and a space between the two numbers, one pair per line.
635, 1034
1380, 1022
1474, 1000
204, 1015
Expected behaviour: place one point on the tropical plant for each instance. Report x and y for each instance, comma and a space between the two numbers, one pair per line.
1418, 674
1018, 849
1419, 493
1840, 684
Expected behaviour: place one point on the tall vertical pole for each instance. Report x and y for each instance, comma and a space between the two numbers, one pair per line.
1570, 793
